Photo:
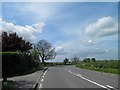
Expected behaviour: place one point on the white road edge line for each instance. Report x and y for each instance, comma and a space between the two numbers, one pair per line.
45, 72
93, 82
111, 87
79, 75
40, 86
42, 80
43, 76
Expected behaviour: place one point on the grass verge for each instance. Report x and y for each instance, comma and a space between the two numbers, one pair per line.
106, 70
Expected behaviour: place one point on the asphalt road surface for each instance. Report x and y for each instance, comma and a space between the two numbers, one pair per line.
73, 77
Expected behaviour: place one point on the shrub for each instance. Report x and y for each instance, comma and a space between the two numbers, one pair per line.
16, 63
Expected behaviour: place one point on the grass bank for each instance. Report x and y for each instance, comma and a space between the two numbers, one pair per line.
101, 66
107, 70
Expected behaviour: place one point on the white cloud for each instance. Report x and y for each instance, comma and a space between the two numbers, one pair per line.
75, 47
90, 41
81, 46
27, 31
68, 48
100, 51
105, 26
58, 48
39, 26
61, 51
107, 50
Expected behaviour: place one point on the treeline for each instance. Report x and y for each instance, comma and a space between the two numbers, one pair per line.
110, 66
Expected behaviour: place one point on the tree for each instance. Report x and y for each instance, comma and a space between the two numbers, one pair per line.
14, 61
12, 42
65, 61
75, 59
45, 50
35, 55
93, 59
86, 60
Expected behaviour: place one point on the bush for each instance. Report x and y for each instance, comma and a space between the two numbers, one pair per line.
16, 63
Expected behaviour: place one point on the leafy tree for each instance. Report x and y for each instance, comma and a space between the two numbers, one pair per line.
12, 42
45, 50
93, 59
86, 60
35, 55
65, 61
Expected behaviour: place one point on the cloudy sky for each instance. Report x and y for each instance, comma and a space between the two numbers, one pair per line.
75, 29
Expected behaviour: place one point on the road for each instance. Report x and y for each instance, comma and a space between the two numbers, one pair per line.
73, 77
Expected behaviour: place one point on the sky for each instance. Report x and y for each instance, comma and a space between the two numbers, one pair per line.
82, 29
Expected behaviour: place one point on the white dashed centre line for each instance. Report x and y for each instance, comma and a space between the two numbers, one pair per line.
40, 86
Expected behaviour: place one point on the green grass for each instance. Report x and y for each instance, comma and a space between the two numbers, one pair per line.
107, 66
106, 70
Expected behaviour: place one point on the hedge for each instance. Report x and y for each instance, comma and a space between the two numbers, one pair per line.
16, 63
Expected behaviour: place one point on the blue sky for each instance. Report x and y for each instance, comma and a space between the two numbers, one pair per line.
75, 29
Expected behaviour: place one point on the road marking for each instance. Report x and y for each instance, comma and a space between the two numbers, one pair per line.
79, 75
69, 71
111, 87
40, 86
45, 72
93, 82
42, 80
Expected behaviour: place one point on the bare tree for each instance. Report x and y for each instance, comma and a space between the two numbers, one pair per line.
45, 50
75, 60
